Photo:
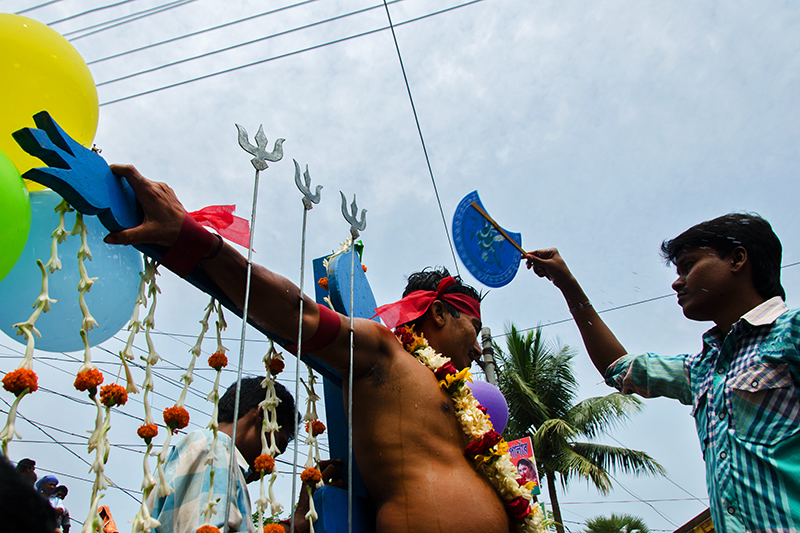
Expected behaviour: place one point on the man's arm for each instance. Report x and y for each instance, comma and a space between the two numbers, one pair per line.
274, 300
600, 342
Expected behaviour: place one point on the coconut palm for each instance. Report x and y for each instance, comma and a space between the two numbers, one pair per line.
624, 523
538, 382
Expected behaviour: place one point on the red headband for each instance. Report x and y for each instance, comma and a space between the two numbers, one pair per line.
416, 303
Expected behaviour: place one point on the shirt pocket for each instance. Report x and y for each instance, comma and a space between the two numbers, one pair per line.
764, 403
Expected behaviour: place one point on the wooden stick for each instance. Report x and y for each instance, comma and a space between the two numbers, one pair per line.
498, 228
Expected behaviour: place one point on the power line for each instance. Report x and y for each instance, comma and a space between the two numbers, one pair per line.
421, 137
200, 32
281, 56
239, 45
29, 9
90, 11
109, 24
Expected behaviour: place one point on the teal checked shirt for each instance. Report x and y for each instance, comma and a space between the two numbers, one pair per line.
743, 391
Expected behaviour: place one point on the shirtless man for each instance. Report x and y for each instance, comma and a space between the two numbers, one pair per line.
406, 439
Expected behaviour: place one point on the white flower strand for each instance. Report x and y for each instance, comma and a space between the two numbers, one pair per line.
210, 507
269, 427
143, 522
309, 418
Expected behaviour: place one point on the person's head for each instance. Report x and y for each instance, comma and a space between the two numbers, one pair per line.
736, 232
449, 325
27, 469
251, 416
21, 507
61, 492
47, 485
525, 468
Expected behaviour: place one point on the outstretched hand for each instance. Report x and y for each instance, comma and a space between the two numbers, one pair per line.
548, 263
163, 212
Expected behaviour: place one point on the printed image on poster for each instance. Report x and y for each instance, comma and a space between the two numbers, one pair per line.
521, 452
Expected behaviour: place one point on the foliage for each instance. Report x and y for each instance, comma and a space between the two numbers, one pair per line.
624, 523
539, 384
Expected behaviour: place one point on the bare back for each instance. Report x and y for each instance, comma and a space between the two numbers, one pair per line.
409, 449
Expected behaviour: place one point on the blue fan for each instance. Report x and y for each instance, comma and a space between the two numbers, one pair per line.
489, 252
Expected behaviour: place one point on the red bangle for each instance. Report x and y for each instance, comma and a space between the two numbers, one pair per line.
193, 244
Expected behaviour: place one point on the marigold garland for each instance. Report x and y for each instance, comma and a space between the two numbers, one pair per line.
89, 379
323, 282
276, 366
486, 447
311, 475
113, 394
147, 431
316, 427
176, 418
218, 360
207, 529
274, 528
264, 463
20, 379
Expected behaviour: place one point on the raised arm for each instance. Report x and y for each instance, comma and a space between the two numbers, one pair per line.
600, 342
274, 300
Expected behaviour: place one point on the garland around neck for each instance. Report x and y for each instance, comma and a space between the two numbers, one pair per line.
486, 447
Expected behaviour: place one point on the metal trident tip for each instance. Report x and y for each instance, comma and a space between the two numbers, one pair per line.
352, 217
260, 149
305, 186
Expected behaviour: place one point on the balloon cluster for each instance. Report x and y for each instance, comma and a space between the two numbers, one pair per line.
42, 71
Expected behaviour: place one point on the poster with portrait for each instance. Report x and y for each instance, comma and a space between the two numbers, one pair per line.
521, 452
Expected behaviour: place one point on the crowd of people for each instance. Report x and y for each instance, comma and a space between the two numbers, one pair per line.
31, 503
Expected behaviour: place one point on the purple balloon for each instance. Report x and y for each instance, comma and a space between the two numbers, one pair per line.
493, 400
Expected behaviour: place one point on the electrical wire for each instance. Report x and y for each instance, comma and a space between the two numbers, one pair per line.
239, 45
90, 11
282, 56
126, 19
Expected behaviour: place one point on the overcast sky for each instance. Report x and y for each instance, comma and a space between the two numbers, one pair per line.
599, 127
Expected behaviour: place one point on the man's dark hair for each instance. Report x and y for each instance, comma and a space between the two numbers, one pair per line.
21, 507
725, 233
61, 489
252, 395
24, 464
428, 279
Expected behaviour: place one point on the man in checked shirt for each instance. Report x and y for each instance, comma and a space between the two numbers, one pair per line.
743, 385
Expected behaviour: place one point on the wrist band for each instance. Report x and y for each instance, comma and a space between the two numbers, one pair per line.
330, 322
578, 307
192, 245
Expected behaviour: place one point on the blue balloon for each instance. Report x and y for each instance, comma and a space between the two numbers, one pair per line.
111, 299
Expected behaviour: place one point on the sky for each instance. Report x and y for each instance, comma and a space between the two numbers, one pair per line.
598, 127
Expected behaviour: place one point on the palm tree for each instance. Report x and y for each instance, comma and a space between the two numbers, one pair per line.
616, 524
540, 387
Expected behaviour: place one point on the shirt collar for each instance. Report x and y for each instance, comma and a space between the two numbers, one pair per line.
767, 312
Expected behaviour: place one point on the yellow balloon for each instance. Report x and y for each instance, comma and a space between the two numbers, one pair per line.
41, 71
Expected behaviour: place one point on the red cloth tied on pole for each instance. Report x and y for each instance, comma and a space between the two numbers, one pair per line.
416, 303
221, 218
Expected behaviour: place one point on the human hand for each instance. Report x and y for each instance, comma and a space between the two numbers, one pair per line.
332, 472
163, 212
548, 263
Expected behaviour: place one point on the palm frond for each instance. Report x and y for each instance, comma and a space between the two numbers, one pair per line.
596, 415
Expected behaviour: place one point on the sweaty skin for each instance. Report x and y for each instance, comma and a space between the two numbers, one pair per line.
406, 439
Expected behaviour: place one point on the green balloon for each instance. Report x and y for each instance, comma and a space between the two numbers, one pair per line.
15, 215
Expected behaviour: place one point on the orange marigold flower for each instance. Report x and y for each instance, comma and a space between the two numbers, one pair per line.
310, 475
265, 463
317, 427
276, 366
364, 268
273, 528
323, 282
147, 431
113, 394
20, 379
176, 418
218, 360
207, 529
88, 379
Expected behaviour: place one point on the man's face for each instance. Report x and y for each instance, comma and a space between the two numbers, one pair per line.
460, 339
704, 282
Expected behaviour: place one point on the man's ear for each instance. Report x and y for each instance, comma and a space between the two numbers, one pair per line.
437, 312
738, 258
